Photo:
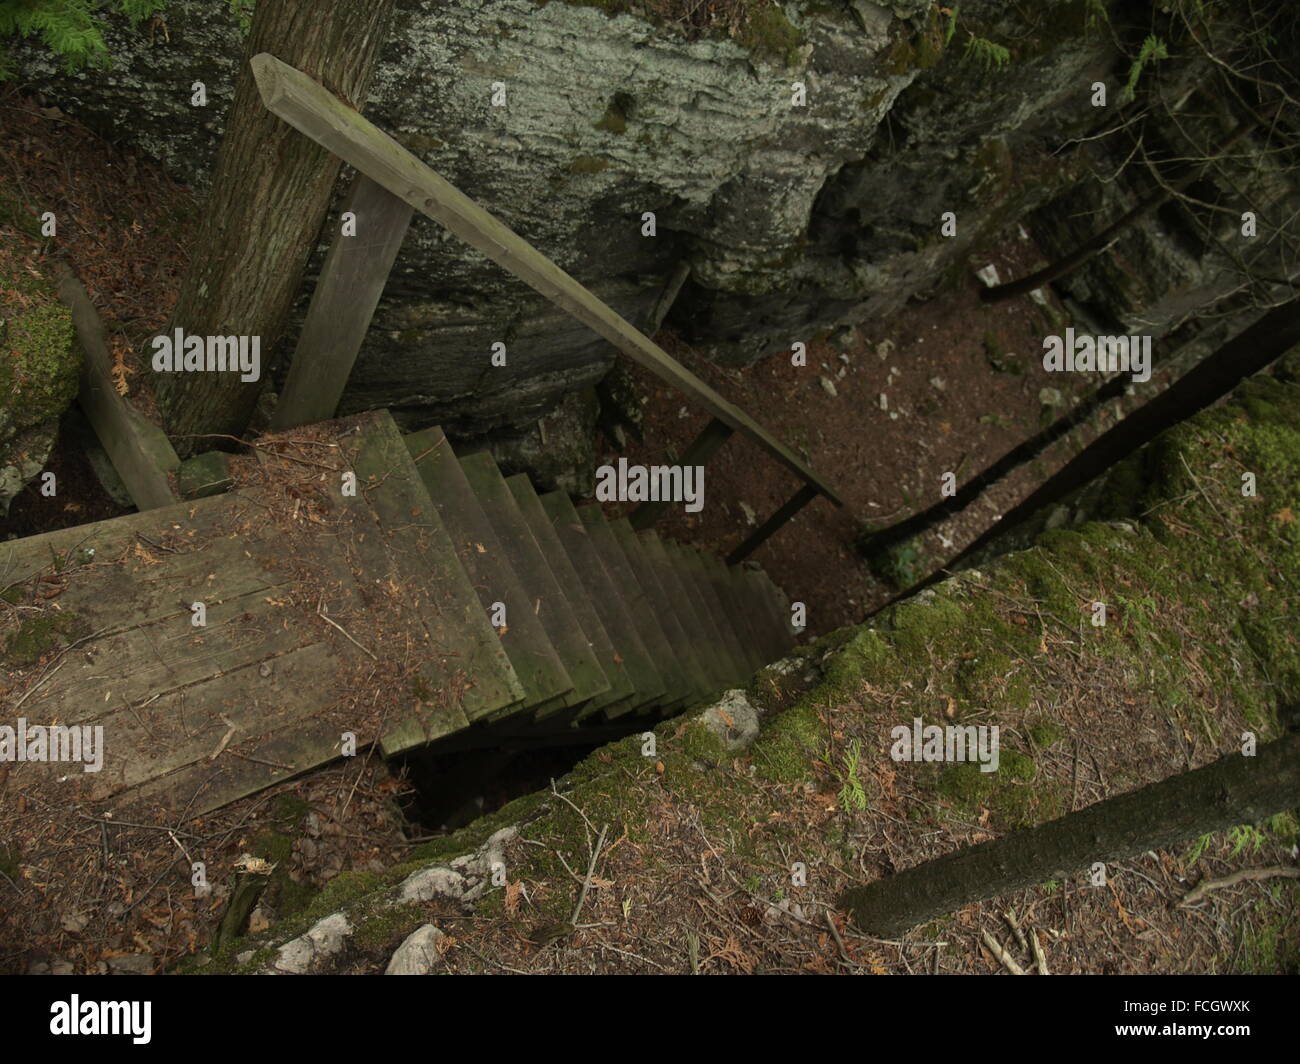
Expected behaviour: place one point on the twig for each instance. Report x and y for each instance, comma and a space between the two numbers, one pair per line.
1244, 876
839, 941
1010, 915
591, 868
320, 612
995, 948
1039, 960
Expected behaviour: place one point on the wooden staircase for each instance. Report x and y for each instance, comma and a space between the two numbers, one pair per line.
331, 613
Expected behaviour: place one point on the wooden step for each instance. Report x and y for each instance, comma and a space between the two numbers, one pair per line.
747, 653
761, 615
741, 612
730, 663
676, 687
587, 561
667, 610
481, 553
697, 620
775, 614
425, 566
548, 601
780, 605
620, 686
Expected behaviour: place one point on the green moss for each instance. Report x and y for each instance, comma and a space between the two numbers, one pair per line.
768, 35
38, 362
38, 636
1045, 735
900, 565
617, 113
785, 749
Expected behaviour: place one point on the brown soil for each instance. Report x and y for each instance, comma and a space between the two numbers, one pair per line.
962, 383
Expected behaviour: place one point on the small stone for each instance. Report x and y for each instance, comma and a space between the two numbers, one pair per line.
884, 349
1051, 397
418, 953
751, 517
989, 275
828, 386
938, 384
884, 401
1039, 297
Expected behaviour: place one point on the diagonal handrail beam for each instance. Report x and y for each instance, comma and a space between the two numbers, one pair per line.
316, 113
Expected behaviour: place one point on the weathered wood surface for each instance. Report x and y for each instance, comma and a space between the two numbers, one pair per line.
318, 605
316, 113
138, 449
351, 282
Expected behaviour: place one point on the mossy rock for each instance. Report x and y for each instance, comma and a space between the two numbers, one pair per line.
39, 361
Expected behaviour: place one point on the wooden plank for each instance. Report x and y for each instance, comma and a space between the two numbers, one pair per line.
351, 281
546, 599
423, 563
138, 449
690, 609
316, 113
760, 535
702, 448
728, 646
523, 641
638, 603
614, 614
575, 590
666, 610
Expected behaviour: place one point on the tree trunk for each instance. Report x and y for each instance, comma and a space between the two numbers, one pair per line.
270, 192
1234, 790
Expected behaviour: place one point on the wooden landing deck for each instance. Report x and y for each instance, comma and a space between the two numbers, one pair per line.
326, 614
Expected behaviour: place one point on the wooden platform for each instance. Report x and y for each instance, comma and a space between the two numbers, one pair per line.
332, 613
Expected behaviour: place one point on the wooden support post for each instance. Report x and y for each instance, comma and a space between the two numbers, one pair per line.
797, 502
351, 282
138, 449
316, 113
715, 434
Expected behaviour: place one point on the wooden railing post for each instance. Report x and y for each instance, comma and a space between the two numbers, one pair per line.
797, 502
351, 282
705, 445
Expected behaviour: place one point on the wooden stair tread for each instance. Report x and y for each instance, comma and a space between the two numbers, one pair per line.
620, 687
482, 555
547, 599
623, 632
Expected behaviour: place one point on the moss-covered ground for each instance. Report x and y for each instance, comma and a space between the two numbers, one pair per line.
715, 862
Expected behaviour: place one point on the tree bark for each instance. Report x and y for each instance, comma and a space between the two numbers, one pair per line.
1233, 790
270, 192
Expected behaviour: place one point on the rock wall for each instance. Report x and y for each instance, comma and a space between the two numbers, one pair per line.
790, 218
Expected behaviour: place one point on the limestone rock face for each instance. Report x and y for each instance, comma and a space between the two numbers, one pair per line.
800, 168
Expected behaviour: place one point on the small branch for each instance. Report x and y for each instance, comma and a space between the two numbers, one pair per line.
586, 882
1246, 875
320, 612
1039, 960
995, 948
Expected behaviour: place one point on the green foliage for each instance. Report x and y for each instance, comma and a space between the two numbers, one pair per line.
852, 796
952, 26
243, 10
986, 54
1095, 15
68, 28
1153, 48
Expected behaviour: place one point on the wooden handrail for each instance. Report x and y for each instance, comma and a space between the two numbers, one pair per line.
318, 114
